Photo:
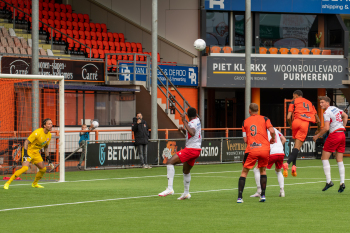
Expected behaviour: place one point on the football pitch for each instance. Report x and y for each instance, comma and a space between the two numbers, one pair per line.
126, 200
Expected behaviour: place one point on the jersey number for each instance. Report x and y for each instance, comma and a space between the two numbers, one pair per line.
306, 106
253, 130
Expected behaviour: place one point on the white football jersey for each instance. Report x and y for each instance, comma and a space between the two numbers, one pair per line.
196, 140
333, 115
277, 147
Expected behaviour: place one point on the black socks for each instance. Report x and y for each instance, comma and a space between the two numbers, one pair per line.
263, 181
293, 156
241, 183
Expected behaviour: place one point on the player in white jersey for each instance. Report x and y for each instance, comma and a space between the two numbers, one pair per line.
186, 156
276, 157
335, 121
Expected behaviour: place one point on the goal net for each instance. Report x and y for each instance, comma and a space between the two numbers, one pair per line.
25, 100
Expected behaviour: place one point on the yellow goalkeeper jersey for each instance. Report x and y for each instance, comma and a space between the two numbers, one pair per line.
38, 139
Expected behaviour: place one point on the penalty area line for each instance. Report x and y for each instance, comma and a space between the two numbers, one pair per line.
139, 197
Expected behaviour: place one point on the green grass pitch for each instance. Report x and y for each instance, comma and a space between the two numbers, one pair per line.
126, 201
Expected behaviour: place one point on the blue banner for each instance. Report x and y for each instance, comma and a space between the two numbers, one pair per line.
283, 6
178, 75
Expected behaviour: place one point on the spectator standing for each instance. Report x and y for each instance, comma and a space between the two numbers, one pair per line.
141, 133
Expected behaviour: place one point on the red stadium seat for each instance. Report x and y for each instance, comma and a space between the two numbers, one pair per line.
86, 26
99, 36
111, 45
51, 23
63, 8
94, 44
45, 14
51, 7
82, 46
63, 24
81, 18
128, 47
122, 46
121, 37
75, 17
107, 51
110, 36
86, 18
139, 47
87, 35
104, 36
70, 44
57, 16
105, 45
57, 24
69, 17
81, 26
98, 27
101, 54
51, 15
76, 34
64, 37
45, 6
116, 37
99, 44
93, 36
69, 9
70, 33
104, 27
63, 16
69, 25
57, 7
82, 35
92, 27
117, 46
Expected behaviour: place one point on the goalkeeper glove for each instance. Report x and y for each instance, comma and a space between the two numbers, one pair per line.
50, 162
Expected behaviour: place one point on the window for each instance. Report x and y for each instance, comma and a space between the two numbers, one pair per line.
217, 31
286, 30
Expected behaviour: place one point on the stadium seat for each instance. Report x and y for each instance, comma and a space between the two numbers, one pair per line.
104, 36
22, 51
99, 36
82, 45
87, 27
63, 24
69, 9
326, 52
75, 26
227, 49
45, 14
139, 47
262, 50
70, 33
80, 18
107, 51
57, 16
86, 18
81, 35
273, 50
104, 27
284, 50
87, 35
128, 47
98, 27
133, 47
105, 45
122, 46
99, 44
110, 36
121, 37
81, 26
63, 8
101, 54
51, 15
316, 51
45, 6
57, 7
69, 17
294, 51
111, 45
63, 36
69, 25
215, 49
16, 50
93, 36
51, 7
116, 37
57, 24
76, 34
75, 17
94, 44
92, 27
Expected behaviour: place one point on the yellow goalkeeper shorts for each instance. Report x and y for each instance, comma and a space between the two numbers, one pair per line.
33, 158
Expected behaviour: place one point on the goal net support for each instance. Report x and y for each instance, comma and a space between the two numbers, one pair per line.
25, 100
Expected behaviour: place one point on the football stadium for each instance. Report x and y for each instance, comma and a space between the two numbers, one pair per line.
173, 115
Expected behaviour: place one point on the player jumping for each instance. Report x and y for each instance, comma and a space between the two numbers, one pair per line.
304, 113
186, 156
258, 148
276, 157
335, 121
39, 139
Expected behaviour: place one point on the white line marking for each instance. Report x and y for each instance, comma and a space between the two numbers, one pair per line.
129, 198
141, 177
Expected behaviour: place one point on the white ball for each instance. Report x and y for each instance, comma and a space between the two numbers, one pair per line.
199, 44
95, 124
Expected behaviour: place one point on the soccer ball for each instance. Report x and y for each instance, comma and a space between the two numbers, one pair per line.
199, 44
94, 124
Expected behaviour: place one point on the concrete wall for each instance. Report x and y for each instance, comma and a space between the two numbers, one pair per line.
178, 22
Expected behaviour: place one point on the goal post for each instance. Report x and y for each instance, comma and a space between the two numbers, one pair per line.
14, 101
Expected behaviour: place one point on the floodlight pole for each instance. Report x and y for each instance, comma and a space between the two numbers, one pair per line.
154, 121
248, 51
35, 64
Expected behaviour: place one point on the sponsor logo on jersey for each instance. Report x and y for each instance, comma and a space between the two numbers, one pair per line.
255, 145
305, 116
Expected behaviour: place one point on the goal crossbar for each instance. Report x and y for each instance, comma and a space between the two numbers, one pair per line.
61, 110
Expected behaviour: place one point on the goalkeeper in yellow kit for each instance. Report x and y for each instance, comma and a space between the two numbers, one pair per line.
39, 139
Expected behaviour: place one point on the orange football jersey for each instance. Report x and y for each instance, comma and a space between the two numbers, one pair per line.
255, 129
303, 109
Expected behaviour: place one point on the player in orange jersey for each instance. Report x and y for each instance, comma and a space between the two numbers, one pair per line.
304, 113
258, 148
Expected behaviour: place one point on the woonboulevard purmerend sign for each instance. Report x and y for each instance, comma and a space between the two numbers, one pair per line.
276, 72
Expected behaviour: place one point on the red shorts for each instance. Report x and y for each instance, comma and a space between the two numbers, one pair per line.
189, 155
335, 142
300, 129
250, 159
276, 159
